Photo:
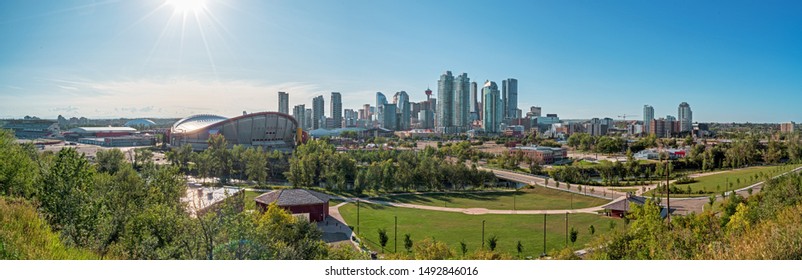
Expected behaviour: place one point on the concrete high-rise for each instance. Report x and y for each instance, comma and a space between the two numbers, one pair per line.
648, 116
283, 102
299, 113
492, 113
445, 107
337, 109
462, 100
318, 113
401, 99
308, 120
509, 96
685, 117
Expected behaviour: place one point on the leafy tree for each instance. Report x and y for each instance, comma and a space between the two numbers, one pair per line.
492, 242
109, 161
519, 248
463, 247
383, 238
408, 242
19, 174
573, 235
68, 197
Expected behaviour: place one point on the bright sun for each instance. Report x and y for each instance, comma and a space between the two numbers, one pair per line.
185, 6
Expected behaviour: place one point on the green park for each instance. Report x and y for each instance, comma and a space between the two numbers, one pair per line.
535, 198
453, 228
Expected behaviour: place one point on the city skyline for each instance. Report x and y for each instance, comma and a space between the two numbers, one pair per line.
148, 59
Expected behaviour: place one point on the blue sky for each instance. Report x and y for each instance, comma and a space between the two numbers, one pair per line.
731, 60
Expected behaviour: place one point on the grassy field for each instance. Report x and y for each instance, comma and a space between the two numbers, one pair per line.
730, 180
452, 228
539, 198
250, 204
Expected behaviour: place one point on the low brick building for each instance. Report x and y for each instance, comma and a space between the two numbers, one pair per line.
297, 201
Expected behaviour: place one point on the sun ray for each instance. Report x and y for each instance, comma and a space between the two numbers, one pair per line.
206, 45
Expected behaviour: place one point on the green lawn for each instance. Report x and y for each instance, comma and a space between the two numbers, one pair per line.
452, 228
539, 198
730, 180
250, 204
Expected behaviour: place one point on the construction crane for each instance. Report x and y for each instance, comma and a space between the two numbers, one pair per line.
624, 116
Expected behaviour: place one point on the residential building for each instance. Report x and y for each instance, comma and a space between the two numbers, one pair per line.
337, 109
309, 119
462, 99
474, 102
299, 113
318, 113
283, 102
648, 116
492, 107
534, 112
445, 108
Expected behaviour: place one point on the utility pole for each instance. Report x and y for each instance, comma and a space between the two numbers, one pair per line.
668, 194
483, 234
357, 216
395, 236
544, 236
513, 200
566, 228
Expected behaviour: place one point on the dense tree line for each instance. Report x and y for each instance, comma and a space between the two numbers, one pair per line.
238, 162
763, 226
317, 163
109, 209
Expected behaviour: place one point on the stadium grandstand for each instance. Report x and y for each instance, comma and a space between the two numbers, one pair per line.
33, 129
269, 130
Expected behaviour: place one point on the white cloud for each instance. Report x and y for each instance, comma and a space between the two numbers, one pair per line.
175, 97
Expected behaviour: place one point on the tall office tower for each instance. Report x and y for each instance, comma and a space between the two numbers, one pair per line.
367, 116
509, 95
389, 115
283, 102
462, 100
380, 101
337, 109
445, 109
308, 122
685, 117
401, 99
648, 116
492, 113
299, 113
318, 113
